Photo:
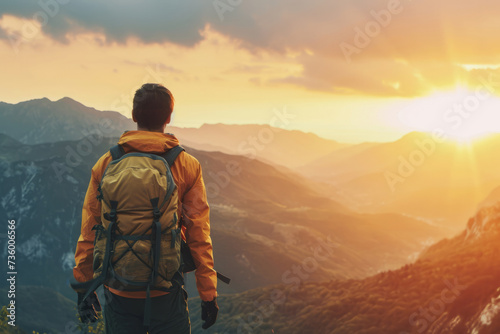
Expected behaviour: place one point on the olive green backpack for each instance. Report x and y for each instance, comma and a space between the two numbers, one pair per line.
138, 245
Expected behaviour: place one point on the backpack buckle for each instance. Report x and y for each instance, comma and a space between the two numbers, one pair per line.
156, 213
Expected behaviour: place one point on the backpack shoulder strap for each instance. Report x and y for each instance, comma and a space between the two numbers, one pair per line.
172, 154
117, 152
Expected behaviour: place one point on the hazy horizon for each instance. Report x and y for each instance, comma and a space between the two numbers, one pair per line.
479, 128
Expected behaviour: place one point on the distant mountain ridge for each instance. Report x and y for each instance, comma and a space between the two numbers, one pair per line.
42, 121
291, 148
417, 175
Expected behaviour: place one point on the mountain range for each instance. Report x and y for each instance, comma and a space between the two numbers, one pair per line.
441, 181
42, 121
419, 175
273, 218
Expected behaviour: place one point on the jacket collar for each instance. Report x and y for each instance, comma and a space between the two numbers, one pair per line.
147, 141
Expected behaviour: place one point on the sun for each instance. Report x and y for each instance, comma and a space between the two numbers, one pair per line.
473, 126
467, 137
461, 115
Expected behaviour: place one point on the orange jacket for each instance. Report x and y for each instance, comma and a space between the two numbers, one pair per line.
193, 207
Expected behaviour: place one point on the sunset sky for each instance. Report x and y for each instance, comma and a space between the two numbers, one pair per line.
350, 70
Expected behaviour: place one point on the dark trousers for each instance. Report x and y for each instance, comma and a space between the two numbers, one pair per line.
169, 314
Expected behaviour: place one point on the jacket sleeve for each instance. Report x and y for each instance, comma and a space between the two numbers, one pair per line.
196, 215
91, 215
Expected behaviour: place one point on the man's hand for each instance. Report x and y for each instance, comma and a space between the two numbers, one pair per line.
88, 308
209, 312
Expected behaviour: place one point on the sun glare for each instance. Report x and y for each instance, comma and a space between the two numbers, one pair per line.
462, 115
467, 137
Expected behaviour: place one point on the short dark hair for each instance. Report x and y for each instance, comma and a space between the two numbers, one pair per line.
153, 105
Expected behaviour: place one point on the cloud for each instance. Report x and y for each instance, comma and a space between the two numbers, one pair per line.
389, 77
384, 77
150, 21
413, 47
